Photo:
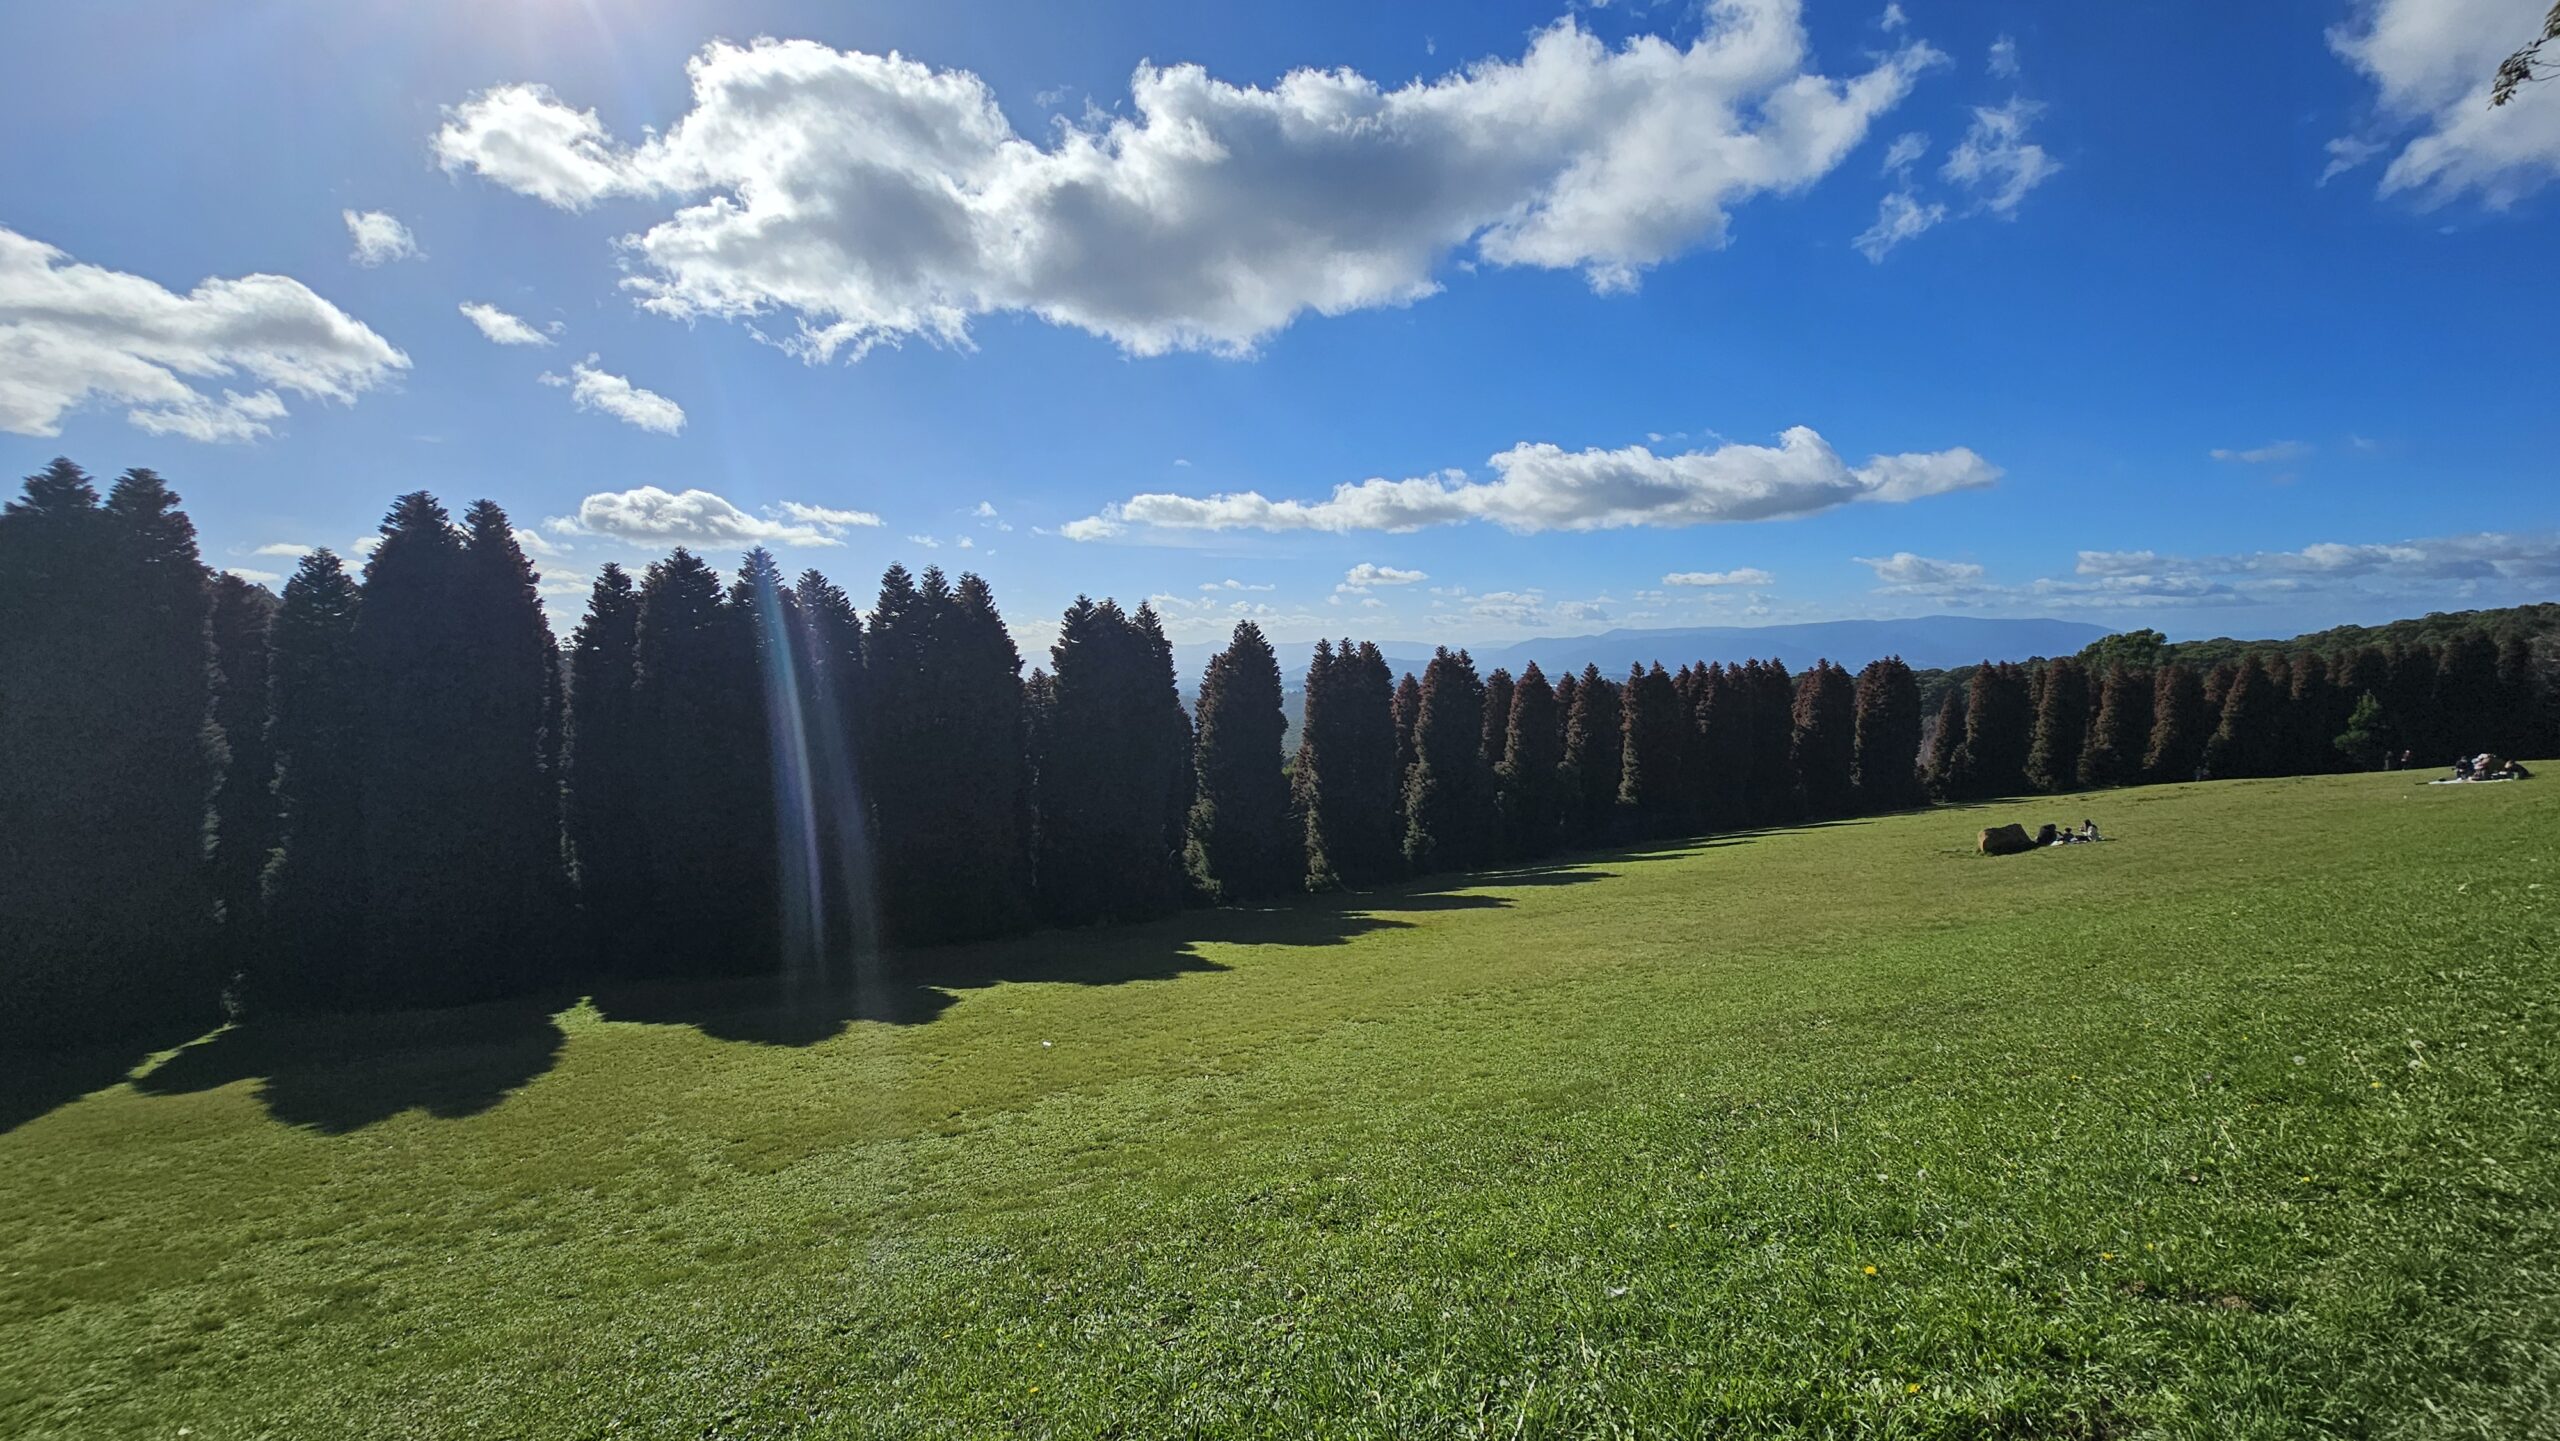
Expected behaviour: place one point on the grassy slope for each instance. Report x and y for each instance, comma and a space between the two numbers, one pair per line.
2238, 1126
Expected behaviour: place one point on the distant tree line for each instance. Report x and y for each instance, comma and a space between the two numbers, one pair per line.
397, 789
2066, 724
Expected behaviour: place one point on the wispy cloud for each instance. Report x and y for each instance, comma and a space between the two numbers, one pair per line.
379, 238
1546, 488
1747, 575
499, 327
599, 390
2274, 453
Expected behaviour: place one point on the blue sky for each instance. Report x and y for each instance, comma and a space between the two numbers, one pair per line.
2215, 318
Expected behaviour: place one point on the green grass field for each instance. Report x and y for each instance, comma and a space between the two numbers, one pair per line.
2240, 1125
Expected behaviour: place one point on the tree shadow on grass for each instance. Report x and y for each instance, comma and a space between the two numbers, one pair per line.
336, 1074
914, 987
38, 1083
340, 1073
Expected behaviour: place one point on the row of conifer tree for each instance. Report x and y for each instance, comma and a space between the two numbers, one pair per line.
395, 790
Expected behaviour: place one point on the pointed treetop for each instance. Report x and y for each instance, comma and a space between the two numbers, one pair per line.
61, 486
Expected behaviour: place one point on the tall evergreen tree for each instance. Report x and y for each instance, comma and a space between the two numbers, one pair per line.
1406, 711
760, 846
1240, 847
1167, 727
2467, 696
1649, 774
2523, 709
108, 757
1823, 740
2120, 733
1530, 781
1943, 771
419, 825
1106, 783
1693, 686
1318, 735
315, 884
2062, 726
702, 768
2180, 724
244, 803
1999, 731
606, 770
831, 696
973, 845
507, 752
1718, 768
1345, 776
2409, 701
2217, 684
2249, 738
1368, 826
2315, 714
1443, 801
1771, 799
1594, 741
1887, 753
2366, 668
896, 724
1496, 741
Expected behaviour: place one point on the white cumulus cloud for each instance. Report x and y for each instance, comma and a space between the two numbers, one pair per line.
499, 327
72, 333
1747, 575
1368, 575
2430, 62
874, 198
1541, 487
1903, 570
378, 237
595, 389
652, 518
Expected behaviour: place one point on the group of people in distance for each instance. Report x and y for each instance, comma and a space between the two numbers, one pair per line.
2486, 767
2052, 835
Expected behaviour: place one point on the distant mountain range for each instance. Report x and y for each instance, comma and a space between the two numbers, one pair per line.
1929, 642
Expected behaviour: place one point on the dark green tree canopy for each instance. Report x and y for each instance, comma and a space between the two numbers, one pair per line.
1240, 845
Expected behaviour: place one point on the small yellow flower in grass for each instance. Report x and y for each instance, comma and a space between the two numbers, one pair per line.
1871, 1270
1911, 1390
2106, 1255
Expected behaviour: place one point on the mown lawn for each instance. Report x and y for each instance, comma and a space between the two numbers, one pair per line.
2240, 1125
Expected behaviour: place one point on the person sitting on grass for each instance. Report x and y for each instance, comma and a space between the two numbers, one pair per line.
2089, 830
